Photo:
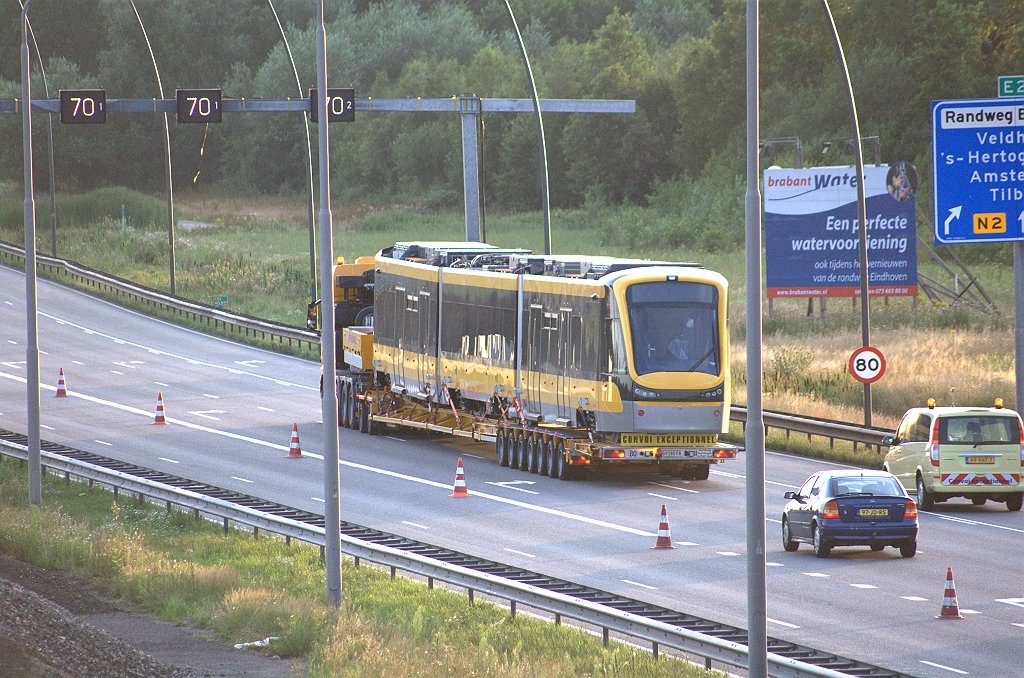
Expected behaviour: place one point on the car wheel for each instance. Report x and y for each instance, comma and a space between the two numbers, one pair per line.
822, 549
924, 500
908, 549
877, 547
787, 538
1013, 502
978, 501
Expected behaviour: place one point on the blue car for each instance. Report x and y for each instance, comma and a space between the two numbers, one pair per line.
850, 508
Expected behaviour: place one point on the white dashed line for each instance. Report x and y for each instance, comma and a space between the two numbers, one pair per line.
661, 496
401, 440
207, 414
816, 574
1019, 602
44, 353
265, 409
863, 586
422, 527
727, 553
964, 610
168, 460
782, 623
521, 553
104, 442
244, 480
475, 456
915, 599
636, 583
772, 520
1020, 625
318, 499
947, 668
116, 372
11, 341
9, 303
160, 383
686, 543
770, 564
210, 395
48, 428
674, 487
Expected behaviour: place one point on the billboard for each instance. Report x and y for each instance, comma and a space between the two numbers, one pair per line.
811, 231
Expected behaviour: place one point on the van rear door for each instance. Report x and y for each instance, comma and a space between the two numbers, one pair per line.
979, 449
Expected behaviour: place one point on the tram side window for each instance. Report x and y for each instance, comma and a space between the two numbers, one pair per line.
616, 347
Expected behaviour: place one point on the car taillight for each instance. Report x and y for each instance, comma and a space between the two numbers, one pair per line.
935, 443
831, 510
911, 510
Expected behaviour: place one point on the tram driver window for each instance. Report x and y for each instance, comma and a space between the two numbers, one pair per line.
674, 327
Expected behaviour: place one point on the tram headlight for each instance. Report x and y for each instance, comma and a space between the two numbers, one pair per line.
644, 393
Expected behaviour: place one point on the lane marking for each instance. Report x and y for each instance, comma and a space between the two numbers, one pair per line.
816, 574
661, 496
674, 487
965, 521
205, 414
773, 520
265, 409
244, 480
170, 460
636, 583
727, 553
964, 610
915, 599
116, 372
8, 303
767, 482
191, 361
401, 440
11, 341
208, 395
44, 352
16, 364
160, 383
782, 623
686, 543
104, 442
250, 363
422, 527
863, 586
318, 499
770, 564
48, 428
1020, 625
77, 362
510, 485
1019, 602
947, 668
475, 456
125, 363
521, 553
349, 464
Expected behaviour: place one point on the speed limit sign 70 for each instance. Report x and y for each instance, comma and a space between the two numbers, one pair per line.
867, 364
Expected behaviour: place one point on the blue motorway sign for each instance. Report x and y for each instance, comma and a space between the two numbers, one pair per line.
978, 170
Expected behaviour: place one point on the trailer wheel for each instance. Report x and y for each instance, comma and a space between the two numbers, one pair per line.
364, 415
695, 472
355, 412
513, 449
549, 459
533, 455
543, 456
501, 448
524, 452
562, 468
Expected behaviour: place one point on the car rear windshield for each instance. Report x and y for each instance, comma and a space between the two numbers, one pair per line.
978, 430
879, 486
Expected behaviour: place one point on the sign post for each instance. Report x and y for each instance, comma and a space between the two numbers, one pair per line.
978, 171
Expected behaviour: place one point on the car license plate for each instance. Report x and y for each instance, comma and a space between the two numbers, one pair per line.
668, 439
981, 460
873, 512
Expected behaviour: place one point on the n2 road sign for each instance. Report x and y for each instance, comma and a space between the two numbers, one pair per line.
978, 170
867, 364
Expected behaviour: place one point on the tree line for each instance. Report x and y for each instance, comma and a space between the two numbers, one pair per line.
683, 61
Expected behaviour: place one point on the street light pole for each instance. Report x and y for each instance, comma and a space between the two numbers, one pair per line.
862, 237
332, 494
35, 474
757, 597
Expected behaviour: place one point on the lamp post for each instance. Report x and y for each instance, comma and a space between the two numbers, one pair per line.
545, 203
862, 238
167, 142
35, 474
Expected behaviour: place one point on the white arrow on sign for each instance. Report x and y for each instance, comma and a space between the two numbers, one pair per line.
954, 213
206, 414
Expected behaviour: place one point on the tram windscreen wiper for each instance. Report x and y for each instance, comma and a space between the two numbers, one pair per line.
702, 359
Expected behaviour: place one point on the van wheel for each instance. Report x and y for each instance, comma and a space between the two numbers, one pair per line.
908, 549
1013, 502
877, 547
822, 548
924, 500
978, 501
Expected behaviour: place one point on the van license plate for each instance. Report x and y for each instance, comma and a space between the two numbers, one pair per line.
864, 512
981, 460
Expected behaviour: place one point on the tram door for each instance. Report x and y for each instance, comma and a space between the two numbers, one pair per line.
567, 337
534, 356
399, 315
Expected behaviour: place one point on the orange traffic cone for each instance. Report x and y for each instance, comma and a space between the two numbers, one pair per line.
664, 535
460, 482
62, 388
950, 608
294, 451
159, 419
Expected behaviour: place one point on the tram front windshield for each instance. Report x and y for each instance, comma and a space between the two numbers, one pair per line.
674, 326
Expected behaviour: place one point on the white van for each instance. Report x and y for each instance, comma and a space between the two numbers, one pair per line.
973, 452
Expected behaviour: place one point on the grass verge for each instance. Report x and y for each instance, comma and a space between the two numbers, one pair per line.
185, 570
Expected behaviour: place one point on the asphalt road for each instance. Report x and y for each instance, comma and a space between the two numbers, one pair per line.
231, 410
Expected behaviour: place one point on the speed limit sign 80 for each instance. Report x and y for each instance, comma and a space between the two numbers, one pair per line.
867, 364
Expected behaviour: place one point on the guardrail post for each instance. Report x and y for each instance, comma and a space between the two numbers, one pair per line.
654, 650
287, 540
512, 608
604, 636
141, 499
255, 533
470, 592
116, 488
168, 507
225, 526
558, 619
357, 562
430, 583
393, 573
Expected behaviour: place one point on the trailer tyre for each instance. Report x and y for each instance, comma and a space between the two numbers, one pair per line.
355, 412
501, 441
533, 455
695, 472
523, 449
562, 468
543, 456
345, 405
364, 415
514, 447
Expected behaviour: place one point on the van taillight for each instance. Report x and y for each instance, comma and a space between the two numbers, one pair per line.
1020, 427
935, 443
831, 510
911, 510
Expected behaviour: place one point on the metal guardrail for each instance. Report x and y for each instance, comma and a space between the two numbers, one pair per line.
654, 631
811, 426
183, 307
